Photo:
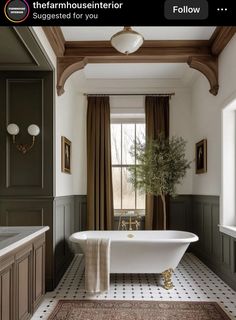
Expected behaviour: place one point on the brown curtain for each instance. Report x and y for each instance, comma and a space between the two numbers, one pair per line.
99, 174
157, 121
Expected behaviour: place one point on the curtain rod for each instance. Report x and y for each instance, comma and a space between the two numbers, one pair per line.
130, 94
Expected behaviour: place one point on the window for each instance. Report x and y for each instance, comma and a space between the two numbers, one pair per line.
122, 137
228, 188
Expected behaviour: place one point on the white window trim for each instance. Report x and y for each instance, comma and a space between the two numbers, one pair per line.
230, 231
128, 117
133, 119
228, 168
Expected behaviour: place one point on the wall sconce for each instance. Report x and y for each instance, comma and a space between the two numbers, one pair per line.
13, 130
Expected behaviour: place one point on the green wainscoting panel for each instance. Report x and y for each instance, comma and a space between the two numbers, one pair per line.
215, 249
63, 227
80, 213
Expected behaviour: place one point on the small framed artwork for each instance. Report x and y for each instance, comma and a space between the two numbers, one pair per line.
65, 155
201, 156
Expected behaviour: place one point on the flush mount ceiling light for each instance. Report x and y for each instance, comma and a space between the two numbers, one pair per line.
127, 41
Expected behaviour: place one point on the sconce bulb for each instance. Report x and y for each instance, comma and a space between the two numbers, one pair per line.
13, 129
33, 130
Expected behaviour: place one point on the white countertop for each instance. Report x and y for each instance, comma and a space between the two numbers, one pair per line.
14, 237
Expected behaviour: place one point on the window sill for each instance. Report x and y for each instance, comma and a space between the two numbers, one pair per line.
132, 215
230, 231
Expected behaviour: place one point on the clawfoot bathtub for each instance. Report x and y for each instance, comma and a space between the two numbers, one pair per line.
142, 251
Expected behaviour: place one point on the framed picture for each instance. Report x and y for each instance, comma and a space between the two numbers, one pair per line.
65, 155
201, 156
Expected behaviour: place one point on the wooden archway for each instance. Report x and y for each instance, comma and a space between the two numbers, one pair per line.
201, 55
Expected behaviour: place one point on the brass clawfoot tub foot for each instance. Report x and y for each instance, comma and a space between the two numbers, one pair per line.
168, 284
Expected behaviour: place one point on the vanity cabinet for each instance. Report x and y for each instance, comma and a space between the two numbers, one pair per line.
6, 289
38, 272
23, 283
22, 278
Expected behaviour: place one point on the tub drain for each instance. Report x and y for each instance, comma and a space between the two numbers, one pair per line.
130, 235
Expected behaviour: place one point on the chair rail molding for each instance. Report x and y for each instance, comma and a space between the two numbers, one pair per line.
201, 55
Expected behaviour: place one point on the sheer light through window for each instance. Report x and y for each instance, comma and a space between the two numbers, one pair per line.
123, 136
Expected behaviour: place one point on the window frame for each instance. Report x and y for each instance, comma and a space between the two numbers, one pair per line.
121, 121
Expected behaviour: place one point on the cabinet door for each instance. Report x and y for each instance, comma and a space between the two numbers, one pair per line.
23, 297
6, 289
38, 271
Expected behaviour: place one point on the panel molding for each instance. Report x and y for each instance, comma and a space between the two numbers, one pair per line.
63, 228
10, 147
80, 213
215, 249
27, 174
179, 212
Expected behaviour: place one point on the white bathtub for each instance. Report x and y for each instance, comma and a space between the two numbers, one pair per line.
141, 251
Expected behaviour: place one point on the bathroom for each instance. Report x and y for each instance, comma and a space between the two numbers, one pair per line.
42, 188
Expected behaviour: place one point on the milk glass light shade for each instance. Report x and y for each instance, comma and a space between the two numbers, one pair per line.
33, 130
127, 41
13, 129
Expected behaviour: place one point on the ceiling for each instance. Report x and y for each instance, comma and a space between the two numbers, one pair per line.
165, 71
149, 33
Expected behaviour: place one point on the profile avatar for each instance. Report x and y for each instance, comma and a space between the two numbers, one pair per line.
17, 10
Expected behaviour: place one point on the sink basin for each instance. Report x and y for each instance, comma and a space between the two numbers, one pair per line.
6, 236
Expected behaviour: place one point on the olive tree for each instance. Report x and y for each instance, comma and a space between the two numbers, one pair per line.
161, 165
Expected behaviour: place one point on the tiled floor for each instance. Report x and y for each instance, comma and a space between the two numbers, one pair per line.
192, 279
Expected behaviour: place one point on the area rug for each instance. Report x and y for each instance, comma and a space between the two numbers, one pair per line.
136, 310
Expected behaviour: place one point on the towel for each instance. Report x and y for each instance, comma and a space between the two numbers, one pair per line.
97, 265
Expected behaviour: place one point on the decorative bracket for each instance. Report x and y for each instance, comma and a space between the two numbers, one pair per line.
208, 66
65, 67
201, 55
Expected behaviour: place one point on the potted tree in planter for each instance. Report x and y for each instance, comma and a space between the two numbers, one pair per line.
161, 166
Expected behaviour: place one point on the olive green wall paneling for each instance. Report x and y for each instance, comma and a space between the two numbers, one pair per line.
26, 98
215, 249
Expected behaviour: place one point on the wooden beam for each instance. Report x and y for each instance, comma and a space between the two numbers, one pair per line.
199, 54
159, 51
79, 53
56, 39
221, 38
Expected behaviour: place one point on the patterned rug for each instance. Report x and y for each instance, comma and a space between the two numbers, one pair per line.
136, 310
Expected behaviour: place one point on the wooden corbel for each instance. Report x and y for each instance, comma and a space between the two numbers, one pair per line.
65, 68
207, 65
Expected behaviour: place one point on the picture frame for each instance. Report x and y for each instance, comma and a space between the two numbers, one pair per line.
201, 156
65, 155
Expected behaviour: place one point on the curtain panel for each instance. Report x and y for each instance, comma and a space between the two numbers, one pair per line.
157, 121
99, 174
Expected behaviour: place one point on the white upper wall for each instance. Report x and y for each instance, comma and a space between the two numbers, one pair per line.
194, 119
65, 109
207, 111
69, 119
79, 156
181, 125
